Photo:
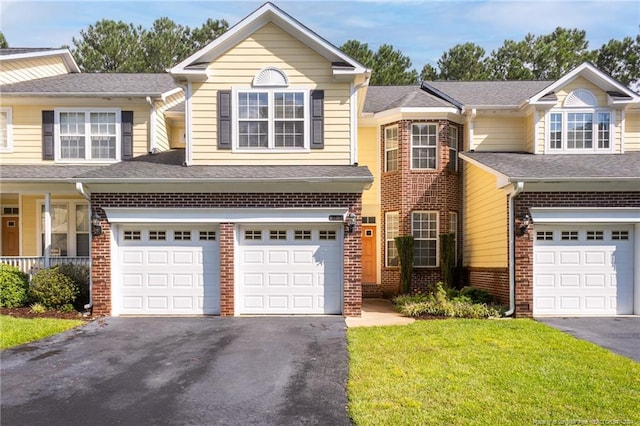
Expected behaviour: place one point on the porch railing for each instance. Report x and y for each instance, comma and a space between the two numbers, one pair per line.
32, 264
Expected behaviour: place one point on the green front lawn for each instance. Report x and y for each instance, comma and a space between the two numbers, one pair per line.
486, 372
16, 331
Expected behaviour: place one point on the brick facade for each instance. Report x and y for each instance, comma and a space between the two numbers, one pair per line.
524, 242
493, 280
101, 245
407, 190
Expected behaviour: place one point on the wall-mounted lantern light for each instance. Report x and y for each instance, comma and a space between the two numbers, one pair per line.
96, 228
351, 221
524, 223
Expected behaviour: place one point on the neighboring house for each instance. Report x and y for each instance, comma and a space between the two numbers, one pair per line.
484, 159
262, 175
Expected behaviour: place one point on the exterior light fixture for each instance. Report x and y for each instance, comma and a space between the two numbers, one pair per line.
525, 222
96, 228
351, 221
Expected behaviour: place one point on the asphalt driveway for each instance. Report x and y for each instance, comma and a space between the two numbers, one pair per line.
618, 334
179, 371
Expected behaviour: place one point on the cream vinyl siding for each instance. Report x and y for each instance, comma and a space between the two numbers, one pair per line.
27, 128
531, 140
368, 156
581, 83
31, 69
485, 219
163, 131
541, 132
271, 46
632, 134
499, 134
30, 217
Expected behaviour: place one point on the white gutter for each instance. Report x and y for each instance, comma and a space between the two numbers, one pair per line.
470, 117
188, 154
152, 126
512, 249
81, 189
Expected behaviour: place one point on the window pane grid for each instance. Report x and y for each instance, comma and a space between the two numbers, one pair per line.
423, 146
425, 234
391, 148
555, 136
103, 134
579, 130
72, 139
604, 134
392, 230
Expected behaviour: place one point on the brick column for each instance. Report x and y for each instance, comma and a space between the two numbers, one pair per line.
101, 268
227, 256
352, 261
524, 273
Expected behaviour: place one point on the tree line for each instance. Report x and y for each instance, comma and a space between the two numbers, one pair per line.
110, 46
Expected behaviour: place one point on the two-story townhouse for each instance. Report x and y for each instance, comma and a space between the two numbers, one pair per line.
545, 195
259, 213
57, 123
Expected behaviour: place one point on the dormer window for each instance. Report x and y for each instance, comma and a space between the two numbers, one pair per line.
580, 126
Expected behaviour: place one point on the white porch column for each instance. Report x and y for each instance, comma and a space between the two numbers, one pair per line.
47, 229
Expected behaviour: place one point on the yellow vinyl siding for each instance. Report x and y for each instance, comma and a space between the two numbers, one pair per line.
368, 156
163, 136
584, 84
27, 128
18, 70
541, 134
530, 133
31, 217
632, 131
271, 46
485, 220
499, 134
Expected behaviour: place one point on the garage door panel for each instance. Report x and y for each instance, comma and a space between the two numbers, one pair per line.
592, 276
166, 276
286, 275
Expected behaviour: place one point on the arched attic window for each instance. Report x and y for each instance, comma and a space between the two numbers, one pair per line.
580, 98
270, 77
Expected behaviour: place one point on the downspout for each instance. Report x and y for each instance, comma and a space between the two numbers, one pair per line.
353, 118
512, 249
81, 189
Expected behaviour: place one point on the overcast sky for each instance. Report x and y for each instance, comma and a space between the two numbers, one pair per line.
422, 30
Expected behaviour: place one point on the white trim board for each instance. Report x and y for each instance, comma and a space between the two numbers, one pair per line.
584, 215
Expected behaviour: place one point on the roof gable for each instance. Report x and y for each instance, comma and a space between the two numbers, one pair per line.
194, 67
618, 92
18, 53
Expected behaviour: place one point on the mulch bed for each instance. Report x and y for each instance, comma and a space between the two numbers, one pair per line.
25, 312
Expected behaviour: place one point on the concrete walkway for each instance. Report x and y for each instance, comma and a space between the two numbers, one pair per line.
377, 312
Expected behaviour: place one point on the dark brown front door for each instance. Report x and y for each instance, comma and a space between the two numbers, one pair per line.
10, 236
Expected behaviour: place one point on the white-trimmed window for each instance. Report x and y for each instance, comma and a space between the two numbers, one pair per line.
424, 141
424, 227
391, 149
453, 148
6, 129
70, 224
580, 126
391, 231
453, 228
272, 119
87, 135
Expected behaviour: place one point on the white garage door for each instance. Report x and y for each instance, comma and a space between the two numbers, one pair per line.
290, 269
583, 270
168, 270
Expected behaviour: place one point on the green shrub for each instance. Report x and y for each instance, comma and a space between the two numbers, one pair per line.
404, 243
440, 303
477, 295
68, 308
52, 288
38, 308
14, 285
81, 276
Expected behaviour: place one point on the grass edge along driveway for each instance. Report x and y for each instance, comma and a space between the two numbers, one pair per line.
16, 331
459, 372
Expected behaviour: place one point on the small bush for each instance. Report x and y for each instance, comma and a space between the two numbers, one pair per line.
14, 285
38, 308
68, 308
52, 288
477, 295
440, 303
81, 276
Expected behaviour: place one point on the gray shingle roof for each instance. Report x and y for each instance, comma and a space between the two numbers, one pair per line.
114, 85
20, 50
489, 93
168, 166
531, 167
40, 172
381, 98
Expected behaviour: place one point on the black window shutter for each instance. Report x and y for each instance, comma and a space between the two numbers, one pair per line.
126, 123
224, 119
317, 119
48, 135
